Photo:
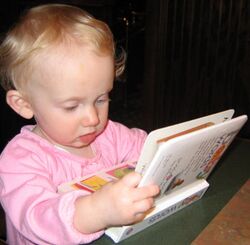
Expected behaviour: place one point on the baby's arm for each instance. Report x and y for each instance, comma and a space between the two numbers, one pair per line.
117, 203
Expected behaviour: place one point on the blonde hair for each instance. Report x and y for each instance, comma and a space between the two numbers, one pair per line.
47, 25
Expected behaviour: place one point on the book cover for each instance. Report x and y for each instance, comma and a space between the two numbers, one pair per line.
189, 154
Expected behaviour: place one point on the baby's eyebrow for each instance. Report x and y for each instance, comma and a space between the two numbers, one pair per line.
78, 99
71, 99
104, 94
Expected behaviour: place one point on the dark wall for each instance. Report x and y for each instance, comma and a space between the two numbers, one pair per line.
196, 60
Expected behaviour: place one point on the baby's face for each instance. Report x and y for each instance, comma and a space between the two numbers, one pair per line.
69, 94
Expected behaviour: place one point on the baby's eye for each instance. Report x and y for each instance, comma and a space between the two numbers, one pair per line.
102, 100
70, 108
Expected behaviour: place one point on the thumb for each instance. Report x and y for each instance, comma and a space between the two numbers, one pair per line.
131, 179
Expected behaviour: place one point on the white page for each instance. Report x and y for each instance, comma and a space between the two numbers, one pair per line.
151, 145
182, 160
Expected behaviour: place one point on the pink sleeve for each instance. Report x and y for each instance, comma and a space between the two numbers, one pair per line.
33, 205
128, 142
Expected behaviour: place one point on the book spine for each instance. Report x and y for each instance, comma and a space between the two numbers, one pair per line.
174, 208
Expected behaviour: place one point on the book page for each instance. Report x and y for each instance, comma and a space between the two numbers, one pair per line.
181, 160
150, 147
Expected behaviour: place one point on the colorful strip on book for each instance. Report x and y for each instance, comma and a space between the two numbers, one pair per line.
95, 182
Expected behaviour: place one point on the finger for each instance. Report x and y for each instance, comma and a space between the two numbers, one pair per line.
139, 217
145, 192
143, 206
131, 179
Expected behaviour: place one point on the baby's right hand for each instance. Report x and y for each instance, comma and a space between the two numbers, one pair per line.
122, 202
117, 203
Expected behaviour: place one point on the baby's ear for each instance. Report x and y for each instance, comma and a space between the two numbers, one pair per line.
19, 104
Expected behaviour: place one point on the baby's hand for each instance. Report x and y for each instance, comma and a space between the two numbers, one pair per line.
122, 202
117, 203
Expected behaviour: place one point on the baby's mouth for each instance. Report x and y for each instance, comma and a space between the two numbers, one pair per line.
88, 138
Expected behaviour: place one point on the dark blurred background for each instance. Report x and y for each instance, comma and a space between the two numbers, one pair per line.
186, 59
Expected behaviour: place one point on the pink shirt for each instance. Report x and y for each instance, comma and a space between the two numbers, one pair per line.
31, 168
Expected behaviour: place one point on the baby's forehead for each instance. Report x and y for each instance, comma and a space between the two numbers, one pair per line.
60, 58
68, 50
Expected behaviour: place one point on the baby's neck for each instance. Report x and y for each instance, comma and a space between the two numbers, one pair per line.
85, 152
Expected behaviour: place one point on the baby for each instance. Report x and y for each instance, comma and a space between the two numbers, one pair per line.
58, 65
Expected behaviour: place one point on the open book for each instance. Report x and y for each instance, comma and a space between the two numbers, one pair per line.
178, 158
178, 155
